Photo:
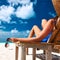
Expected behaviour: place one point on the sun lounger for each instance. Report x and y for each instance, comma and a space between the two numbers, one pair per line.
53, 44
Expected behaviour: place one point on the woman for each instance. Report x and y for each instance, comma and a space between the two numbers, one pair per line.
40, 34
48, 27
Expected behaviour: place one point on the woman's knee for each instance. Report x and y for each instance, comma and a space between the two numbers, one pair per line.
35, 26
44, 20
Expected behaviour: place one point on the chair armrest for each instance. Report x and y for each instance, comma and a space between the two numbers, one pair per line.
38, 43
35, 44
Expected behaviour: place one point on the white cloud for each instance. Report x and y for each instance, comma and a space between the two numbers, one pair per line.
0, 22
25, 12
5, 13
22, 22
13, 2
13, 22
27, 31
52, 14
14, 30
2, 27
24, 1
16, 2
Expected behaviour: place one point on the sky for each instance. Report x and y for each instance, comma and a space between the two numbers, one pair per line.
22, 15
15, 14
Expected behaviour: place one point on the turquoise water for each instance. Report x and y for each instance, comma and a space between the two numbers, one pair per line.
5, 35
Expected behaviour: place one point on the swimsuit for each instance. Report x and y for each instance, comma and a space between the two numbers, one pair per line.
47, 37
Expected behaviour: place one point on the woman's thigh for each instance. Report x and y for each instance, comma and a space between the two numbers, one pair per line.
36, 30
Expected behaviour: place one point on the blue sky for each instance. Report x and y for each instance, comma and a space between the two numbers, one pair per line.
21, 15
17, 17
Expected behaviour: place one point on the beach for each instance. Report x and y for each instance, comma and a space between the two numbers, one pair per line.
9, 53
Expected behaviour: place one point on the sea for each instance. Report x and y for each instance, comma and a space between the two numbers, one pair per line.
5, 35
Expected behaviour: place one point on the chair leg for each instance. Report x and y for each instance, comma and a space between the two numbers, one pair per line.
27, 51
44, 52
34, 53
23, 53
16, 55
48, 53
59, 56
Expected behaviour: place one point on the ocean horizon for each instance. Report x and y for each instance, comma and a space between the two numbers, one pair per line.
5, 35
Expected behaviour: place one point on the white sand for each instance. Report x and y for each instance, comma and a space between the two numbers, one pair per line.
9, 53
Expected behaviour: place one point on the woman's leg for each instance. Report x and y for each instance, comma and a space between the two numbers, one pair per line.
44, 22
35, 30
